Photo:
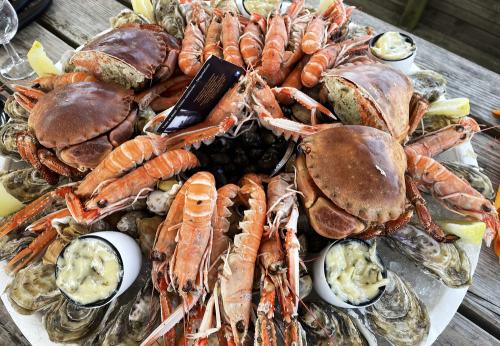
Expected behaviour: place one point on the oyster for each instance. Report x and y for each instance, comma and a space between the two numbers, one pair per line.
128, 222
147, 232
67, 322
432, 123
399, 316
445, 261
127, 16
168, 14
429, 84
324, 323
357, 30
33, 288
11, 244
14, 109
66, 232
8, 135
474, 176
305, 286
133, 321
159, 202
25, 184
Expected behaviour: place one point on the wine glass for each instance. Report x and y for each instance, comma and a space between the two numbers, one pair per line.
14, 67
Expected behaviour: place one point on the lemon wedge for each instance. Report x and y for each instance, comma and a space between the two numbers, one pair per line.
40, 62
166, 185
452, 108
9, 203
469, 231
145, 8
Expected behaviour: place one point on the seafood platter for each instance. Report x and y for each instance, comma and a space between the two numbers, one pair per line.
330, 196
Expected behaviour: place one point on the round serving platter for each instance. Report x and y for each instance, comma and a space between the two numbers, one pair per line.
442, 302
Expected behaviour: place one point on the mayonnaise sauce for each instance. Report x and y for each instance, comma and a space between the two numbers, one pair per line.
392, 46
89, 271
262, 7
354, 272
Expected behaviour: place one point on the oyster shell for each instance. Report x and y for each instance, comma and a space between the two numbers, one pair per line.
12, 244
67, 322
324, 323
127, 16
25, 184
399, 316
147, 232
8, 135
429, 84
168, 14
159, 202
305, 286
474, 176
445, 261
14, 110
33, 288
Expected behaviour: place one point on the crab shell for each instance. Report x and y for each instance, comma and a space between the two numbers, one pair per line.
352, 177
83, 121
127, 56
371, 94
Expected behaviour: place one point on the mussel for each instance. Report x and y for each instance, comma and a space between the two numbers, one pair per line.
25, 184
327, 325
33, 288
429, 84
399, 316
66, 322
474, 176
445, 261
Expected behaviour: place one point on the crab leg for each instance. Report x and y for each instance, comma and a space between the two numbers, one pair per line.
418, 107
52, 162
56, 81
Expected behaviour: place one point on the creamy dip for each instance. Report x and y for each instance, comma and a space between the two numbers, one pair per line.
354, 272
89, 271
392, 46
262, 7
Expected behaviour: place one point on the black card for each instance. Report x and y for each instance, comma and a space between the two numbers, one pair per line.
214, 79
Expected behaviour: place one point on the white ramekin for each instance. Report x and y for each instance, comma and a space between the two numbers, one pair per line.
129, 256
322, 287
405, 64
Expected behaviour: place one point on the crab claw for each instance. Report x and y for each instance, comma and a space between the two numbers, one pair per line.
305, 100
27, 255
77, 210
27, 97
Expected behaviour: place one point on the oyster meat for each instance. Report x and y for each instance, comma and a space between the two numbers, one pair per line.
127, 16
429, 84
33, 288
399, 316
8, 135
67, 322
14, 109
324, 323
474, 176
445, 261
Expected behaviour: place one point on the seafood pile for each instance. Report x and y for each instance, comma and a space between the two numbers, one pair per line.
314, 142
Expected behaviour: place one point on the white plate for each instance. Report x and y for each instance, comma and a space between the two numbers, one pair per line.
441, 301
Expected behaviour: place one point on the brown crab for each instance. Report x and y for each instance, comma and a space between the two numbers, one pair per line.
373, 94
82, 119
357, 180
130, 55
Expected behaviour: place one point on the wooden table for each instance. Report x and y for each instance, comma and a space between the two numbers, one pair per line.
68, 24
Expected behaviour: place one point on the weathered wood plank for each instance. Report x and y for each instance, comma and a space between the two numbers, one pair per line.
462, 331
54, 46
487, 149
412, 13
9, 333
78, 21
465, 78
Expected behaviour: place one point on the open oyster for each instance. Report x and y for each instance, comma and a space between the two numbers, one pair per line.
8, 135
474, 176
399, 316
445, 261
25, 184
33, 288
12, 243
14, 110
127, 16
168, 14
67, 322
324, 323
429, 84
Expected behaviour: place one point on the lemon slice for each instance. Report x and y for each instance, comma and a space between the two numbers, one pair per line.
40, 62
9, 203
145, 8
166, 185
469, 231
452, 108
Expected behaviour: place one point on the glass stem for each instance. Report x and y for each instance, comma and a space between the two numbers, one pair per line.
14, 57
